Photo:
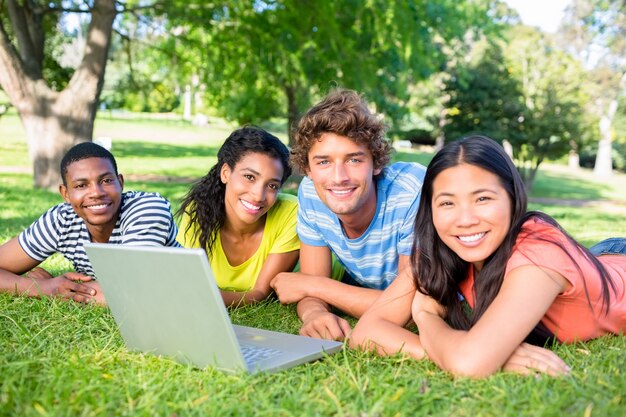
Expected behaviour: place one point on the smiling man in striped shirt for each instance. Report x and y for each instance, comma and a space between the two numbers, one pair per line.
351, 205
95, 210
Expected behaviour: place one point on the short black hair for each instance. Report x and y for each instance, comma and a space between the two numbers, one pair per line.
82, 151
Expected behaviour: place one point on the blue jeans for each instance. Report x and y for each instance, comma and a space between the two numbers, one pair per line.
611, 246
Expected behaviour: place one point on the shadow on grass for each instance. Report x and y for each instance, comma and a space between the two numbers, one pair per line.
559, 186
124, 149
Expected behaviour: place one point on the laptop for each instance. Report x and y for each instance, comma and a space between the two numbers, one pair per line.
165, 301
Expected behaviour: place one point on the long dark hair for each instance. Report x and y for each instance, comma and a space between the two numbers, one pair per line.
204, 203
438, 271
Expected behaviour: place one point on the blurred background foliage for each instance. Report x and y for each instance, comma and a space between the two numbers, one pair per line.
435, 70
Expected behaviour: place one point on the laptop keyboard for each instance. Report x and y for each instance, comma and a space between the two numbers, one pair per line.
254, 354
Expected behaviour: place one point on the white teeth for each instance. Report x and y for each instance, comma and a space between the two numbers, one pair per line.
341, 192
98, 206
471, 238
250, 206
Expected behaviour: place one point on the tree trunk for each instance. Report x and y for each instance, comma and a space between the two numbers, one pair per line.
573, 160
55, 124
54, 121
293, 113
604, 163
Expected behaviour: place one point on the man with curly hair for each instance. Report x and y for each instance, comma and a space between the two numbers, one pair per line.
352, 206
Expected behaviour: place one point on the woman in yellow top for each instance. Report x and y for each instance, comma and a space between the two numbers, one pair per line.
236, 213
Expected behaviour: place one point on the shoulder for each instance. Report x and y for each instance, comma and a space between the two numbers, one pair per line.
404, 169
536, 229
288, 200
308, 198
540, 243
306, 190
286, 206
134, 199
403, 175
61, 214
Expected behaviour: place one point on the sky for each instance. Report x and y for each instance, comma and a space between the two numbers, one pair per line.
546, 14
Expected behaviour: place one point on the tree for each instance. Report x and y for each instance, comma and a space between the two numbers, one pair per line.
551, 82
265, 59
595, 31
526, 92
484, 97
53, 120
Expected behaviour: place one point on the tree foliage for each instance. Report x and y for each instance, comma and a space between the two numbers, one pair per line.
527, 92
272, 58
595, 32
553, 100
484, 97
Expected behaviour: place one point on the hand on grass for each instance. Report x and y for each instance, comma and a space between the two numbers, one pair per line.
70, 285
528, 359
325, 325
39, 273
98, 297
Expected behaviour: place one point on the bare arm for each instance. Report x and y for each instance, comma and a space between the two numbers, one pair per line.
496, 339
348, 298
274, 264
294, 287
14, 262
313, 282
382, 327
317, 319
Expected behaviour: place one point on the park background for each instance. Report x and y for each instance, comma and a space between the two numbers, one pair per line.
165, 82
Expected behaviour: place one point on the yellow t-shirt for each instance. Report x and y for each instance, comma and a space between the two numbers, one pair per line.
279, 236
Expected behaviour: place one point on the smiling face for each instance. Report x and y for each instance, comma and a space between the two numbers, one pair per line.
343, 173
95, 193
251, 188
471, 212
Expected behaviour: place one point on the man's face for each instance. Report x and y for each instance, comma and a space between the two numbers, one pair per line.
343, 172
94, 191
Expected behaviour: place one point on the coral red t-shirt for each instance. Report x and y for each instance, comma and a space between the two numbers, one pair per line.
576, 314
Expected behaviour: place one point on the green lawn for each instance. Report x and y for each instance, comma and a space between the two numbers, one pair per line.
60, 358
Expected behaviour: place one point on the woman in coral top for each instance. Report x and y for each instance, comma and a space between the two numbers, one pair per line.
237, 214
493, 280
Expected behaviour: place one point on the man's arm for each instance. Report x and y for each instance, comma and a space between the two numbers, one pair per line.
315, 292
348, 298
147, 221
14, 262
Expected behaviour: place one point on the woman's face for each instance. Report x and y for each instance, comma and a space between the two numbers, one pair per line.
471, 212
251, 187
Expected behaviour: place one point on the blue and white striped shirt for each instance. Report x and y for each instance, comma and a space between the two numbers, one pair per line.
372, 258
144, 219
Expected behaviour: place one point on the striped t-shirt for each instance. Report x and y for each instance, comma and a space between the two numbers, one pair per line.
144, 219
372, 258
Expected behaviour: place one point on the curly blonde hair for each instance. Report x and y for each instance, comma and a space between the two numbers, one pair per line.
343, 112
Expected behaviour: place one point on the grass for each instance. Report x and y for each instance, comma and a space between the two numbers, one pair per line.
61, 358
64, 359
